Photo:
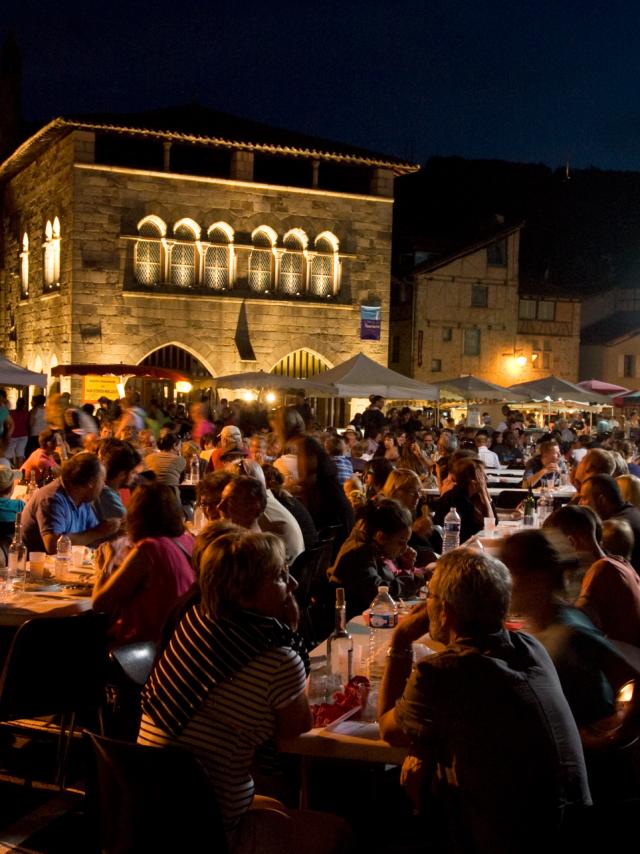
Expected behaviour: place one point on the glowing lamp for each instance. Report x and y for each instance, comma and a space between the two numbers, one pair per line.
183, 387
270, 397
521, 361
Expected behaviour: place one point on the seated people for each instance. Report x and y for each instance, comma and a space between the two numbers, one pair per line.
489, 729
237, 680
42, 460
65, 506
470, 497
274, 481
545, 468
404, 486
9, 507
383, 557
275, 518
167, 463
139, 593
120, 460
591, 671
210, 489
610, 593
602, 493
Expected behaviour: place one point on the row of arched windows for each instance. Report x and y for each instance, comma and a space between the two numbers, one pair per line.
51, 258
188, 259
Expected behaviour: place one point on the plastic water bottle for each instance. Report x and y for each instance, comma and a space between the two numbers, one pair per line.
63, 558
451, 538
199, 519
545, 506
195, 469
383, 618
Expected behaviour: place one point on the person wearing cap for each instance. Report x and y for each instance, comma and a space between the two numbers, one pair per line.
231, 447
9, 507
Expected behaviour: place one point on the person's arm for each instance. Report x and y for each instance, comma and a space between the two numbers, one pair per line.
110, 591
294, 719
397, 672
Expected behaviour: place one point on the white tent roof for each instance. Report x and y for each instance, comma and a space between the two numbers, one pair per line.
14, 375
558, 389
360, 376
469, 387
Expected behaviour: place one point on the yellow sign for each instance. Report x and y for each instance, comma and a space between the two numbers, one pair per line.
94, 387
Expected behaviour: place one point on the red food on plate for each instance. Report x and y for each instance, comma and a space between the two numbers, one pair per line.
355, 694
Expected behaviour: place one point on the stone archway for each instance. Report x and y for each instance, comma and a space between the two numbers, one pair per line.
303, 364
177, 358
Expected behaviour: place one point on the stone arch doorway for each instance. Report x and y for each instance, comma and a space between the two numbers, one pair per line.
303, 364
177, 359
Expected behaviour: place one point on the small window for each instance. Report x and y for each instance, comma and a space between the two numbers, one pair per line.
292, 263
497, 254
436, 365
447, 333
261, 260
52, 254
546, 310
546, 360
479, 296
527, 310
471, 342
395, 349
628, 367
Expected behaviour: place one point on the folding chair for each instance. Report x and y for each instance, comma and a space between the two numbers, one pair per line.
55, 668
152, 799
129, 669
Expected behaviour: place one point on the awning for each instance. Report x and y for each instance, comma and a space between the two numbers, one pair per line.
120, 370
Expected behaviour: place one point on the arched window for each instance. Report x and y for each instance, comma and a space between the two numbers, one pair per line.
51, 254
292, 263
148, 251
24, 267
218, 257
183, 253
324, 265
261, 259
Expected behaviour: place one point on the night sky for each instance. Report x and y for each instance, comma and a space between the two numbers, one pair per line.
521, 80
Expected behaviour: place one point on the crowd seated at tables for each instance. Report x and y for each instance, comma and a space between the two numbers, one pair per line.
272, 485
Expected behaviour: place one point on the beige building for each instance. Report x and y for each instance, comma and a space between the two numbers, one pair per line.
192, 240
465, 313
610, 347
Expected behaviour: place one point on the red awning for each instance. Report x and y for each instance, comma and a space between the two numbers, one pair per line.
120, 371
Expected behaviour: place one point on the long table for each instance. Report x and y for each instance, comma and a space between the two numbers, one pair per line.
351, 740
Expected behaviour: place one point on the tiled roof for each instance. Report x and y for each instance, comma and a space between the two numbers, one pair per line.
197, 124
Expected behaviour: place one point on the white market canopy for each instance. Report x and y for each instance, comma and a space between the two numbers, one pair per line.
555, 389
360, 376
262, 380
13, 375
473, 388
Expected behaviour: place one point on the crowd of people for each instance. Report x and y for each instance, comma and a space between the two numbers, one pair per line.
220, 602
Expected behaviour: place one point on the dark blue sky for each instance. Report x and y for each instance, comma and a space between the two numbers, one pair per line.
523, 80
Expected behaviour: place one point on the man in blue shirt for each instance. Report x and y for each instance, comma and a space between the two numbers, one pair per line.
65, 506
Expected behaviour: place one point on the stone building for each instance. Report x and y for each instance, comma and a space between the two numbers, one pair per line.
191, 239
465, 312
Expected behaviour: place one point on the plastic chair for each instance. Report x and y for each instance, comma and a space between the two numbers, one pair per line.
56, 667
152, 799
129, 669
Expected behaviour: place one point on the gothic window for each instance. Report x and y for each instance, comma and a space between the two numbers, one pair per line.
52, 254
218, 257
184, 253
261, 259
24, 267
148, 251
292, 263
324, 265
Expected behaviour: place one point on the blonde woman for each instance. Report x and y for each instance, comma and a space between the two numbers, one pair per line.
630, 488
404, 486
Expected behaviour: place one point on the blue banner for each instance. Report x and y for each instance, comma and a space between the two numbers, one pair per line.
370, 317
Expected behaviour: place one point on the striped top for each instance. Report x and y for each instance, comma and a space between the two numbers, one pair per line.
237, 716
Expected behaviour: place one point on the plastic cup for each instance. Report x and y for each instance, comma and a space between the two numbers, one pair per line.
77, 555
36, 564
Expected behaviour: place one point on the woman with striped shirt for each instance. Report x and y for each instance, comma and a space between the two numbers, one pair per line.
232, 678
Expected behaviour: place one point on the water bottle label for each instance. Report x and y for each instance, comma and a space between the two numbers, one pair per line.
452, 527
383, 621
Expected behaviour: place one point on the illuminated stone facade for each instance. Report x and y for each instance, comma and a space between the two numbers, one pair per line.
325, 251
467, 316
